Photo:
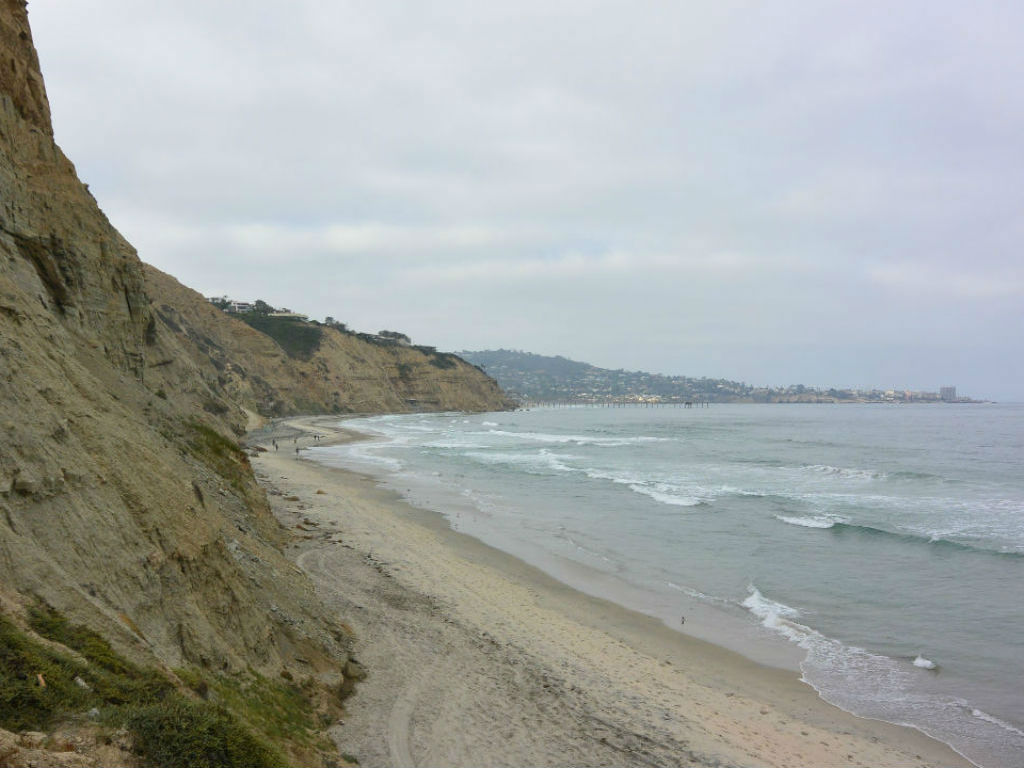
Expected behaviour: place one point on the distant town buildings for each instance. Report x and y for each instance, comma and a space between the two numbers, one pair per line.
258, 312
235, 307
539, 378
230, 305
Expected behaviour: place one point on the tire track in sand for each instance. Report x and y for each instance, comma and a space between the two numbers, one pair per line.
398, 727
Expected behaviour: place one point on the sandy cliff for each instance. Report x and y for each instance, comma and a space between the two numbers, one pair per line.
116, 507
343, 373
125, 502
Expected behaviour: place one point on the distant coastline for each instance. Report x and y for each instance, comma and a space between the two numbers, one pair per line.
541, 379
654, 400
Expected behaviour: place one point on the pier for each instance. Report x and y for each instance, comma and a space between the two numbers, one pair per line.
613, 403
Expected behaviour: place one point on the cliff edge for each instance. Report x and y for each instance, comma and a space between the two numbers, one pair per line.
136, 548
332, 371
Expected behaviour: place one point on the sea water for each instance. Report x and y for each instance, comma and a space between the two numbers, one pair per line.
877, 548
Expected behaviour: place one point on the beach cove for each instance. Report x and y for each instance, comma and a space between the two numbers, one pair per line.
476, 658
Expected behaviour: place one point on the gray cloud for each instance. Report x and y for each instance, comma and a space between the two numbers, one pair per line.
825, 193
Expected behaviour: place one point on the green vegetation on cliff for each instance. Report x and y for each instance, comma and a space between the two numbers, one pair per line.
41, 685
299, 339
193, 718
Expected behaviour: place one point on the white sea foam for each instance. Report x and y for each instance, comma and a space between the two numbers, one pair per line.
425, 428
607, 442
662, 493
825, 655
872, 685
619, 479
775, 615
672, 494
740, 491
698, 595
363, 453
844, 473
542, 459
817, 521
996, 721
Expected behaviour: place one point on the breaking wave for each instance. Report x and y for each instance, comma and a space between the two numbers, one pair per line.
607, 442
933, 538
543, 461
818, 521
841, 472
876, 686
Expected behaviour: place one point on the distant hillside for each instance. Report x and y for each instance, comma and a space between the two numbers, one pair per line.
530, 377
538, 377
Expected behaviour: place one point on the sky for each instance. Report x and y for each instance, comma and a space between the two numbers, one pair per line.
825, 193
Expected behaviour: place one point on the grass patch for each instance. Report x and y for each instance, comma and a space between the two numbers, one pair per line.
55, 626
444, 360
223, 456
281, 711
170, 730
196, 734
67, 685
25, 704
297, 338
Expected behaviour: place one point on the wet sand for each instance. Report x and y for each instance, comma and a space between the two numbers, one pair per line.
476, 658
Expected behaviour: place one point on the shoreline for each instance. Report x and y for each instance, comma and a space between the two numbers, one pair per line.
558, 676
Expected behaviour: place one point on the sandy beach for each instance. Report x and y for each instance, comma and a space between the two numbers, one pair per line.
476, 658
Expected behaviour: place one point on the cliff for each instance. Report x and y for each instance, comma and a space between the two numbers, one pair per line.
128, 510
334, 372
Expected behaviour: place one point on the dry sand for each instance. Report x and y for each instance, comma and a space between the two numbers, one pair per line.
477, 659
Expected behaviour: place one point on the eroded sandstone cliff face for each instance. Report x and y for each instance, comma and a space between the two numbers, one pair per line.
343, 373
131, 511
126, 503
122, 508
20, 77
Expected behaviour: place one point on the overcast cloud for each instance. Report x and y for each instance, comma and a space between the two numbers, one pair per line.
827, 193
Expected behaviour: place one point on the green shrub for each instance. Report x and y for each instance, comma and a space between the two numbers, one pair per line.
193, 734
54, 626
444, 360
24, 703
169, 730
223, 456
299, 339
107, 680
279, 710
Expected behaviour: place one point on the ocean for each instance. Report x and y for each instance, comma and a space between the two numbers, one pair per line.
877, 549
